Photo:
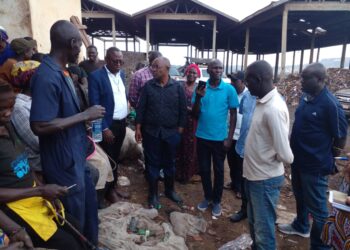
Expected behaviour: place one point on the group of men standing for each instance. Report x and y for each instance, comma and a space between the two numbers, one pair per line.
257, 142
318, 135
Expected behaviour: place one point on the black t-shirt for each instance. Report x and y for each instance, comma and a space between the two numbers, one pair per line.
14, 165
89, 66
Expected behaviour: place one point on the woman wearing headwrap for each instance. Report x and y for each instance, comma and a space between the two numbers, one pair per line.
24, 51
5, 49
186, 164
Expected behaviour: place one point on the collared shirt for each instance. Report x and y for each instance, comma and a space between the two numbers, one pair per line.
162, 110
239, 116
63, 153
137, 82
212, 122
20, 120
120, 102
246, 110
318, 121
267, 145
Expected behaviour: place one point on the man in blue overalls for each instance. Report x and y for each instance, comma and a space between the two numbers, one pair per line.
57, 120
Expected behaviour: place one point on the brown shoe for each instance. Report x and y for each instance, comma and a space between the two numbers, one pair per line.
112, 196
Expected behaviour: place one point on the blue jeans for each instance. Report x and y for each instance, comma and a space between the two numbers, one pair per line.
160, 154
262, 199
310, 191
206, 150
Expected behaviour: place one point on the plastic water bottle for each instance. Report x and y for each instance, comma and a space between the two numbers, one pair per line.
96, 130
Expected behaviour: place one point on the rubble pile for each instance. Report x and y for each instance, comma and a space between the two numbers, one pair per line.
290, 87
338, 79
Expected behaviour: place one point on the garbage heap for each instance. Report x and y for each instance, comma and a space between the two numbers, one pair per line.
290, 87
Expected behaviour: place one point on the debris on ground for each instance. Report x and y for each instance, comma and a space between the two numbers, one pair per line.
290, 87
241, 243
126, 225
123, 181
187, 225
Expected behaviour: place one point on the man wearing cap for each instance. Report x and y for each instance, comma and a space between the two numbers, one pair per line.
23, 51
5, 49
235, 162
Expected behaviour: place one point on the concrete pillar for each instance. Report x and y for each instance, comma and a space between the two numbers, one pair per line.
284, 42
247, 33
312, 46
113, 32
301, 61
236, 62
343, 53
231, 62
147, 33
318, 54
214, 39
293, 62
276, 67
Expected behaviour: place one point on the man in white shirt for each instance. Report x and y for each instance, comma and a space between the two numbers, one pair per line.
107, 88
266, 149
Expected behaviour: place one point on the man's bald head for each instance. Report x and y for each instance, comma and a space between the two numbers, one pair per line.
61, 34
153, 55
313, 78
160, 68
215, 69
316, 69
259, 78
65, 39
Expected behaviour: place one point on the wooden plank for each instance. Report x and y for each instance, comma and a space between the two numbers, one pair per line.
214, 38
301, 61
97, 14
343, 53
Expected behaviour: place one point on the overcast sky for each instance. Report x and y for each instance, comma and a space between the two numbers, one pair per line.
238, 9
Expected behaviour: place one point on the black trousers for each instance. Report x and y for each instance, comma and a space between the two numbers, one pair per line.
63, 239
235, 162
118, 129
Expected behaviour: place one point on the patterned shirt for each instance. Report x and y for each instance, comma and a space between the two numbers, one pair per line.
20, 120
138, 80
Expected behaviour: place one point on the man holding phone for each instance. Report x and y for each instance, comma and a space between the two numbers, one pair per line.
212, 101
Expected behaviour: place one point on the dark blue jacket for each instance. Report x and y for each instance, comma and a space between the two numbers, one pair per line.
101, 93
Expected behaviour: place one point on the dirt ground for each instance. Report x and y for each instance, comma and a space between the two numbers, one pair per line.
221, 230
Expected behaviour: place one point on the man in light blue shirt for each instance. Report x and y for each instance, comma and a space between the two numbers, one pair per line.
246, 109
211, 105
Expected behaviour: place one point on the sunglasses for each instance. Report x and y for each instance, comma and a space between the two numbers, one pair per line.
120, 62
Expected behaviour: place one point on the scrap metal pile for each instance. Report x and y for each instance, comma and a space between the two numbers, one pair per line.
290, 87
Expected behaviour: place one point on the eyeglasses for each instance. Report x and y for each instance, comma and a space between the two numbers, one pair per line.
120, 62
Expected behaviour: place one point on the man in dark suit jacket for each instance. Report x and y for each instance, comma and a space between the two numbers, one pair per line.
107, 88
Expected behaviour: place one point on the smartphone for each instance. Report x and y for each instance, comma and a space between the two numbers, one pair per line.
71, 186
202, 84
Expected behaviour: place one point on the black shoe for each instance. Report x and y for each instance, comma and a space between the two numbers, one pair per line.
173, 196
102, 203
153, 198
170, 191
238, 216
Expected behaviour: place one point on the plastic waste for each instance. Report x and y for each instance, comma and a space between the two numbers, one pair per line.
240, 243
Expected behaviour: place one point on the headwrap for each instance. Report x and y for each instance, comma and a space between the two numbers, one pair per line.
22, 72
21, 45
3, 34
194, 66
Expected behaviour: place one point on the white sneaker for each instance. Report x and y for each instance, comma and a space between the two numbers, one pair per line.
288, 229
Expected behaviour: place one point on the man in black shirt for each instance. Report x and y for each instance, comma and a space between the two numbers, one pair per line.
160, 119
93, 63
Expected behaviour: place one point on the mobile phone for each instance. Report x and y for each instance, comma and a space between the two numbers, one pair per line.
202, 84
71, 186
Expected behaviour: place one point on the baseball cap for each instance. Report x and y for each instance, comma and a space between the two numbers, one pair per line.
239, 75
